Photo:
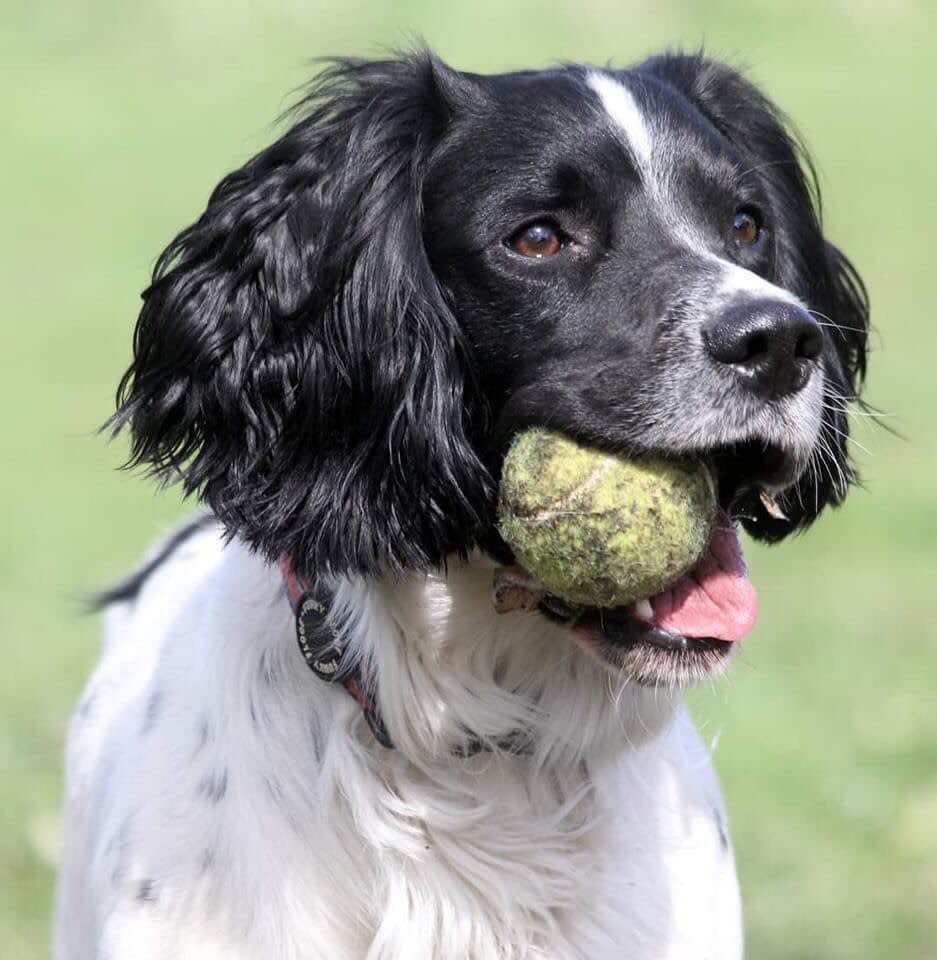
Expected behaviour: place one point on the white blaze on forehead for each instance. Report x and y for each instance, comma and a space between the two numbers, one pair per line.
621, 106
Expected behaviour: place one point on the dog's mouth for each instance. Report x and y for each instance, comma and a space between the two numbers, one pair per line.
746, 472
689, 629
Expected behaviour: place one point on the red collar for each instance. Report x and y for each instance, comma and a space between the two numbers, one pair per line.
323, 648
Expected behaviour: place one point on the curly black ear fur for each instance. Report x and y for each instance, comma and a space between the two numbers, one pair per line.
295, 361
807, 265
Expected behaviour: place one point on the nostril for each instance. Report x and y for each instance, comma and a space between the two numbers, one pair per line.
735, 343
756, 345
809, 344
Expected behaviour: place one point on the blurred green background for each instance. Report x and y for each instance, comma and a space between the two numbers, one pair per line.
117, 118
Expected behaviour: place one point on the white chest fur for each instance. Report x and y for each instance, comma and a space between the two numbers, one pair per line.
223, 801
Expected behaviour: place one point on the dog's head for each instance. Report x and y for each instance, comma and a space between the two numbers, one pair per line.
336, 353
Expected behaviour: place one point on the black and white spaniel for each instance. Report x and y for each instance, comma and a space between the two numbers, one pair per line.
333, 358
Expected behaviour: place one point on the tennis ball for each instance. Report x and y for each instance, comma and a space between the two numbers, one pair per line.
599, 530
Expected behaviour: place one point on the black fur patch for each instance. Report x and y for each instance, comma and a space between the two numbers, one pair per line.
129, 588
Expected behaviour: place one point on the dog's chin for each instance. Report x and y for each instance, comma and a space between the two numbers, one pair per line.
640, 651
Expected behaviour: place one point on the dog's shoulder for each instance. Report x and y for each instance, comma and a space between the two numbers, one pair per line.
144, 742
141, 613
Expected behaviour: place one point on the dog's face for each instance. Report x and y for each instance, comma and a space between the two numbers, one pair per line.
622, 273
337, 353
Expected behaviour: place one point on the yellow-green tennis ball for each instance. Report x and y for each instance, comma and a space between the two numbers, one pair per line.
596, 529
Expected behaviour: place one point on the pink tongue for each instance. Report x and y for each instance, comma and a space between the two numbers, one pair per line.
715, 599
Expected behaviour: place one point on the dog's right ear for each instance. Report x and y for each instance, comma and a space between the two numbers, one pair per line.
295, 361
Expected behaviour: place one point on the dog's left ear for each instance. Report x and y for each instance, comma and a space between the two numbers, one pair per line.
296, 363
807, 264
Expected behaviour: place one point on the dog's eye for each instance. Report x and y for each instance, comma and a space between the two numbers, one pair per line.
746, 228
540, 239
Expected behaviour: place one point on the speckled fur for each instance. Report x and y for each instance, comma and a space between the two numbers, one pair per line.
198, 831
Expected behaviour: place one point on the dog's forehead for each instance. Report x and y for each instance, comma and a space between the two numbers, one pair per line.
580, 111
631, 121
659, 127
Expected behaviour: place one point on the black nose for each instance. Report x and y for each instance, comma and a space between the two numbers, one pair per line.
770, 344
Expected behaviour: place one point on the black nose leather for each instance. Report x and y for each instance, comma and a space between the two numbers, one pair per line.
771, 345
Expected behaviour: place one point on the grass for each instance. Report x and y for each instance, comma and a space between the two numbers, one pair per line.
119, 118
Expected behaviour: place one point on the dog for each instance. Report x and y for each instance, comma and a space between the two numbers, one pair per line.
312, 734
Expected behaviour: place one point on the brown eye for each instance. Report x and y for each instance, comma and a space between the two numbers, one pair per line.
540, 239
746, 228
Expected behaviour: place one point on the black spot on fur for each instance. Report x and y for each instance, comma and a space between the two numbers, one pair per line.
213, 786
721, 828
267, 669
257, 713
151, 714
146, 891
274, 789
118, 847
87, 704
315, 740
204, 734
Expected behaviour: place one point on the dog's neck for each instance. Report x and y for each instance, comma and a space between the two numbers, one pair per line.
449, 669
481, 851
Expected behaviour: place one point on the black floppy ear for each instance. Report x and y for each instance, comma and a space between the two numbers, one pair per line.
295, 361
806, 264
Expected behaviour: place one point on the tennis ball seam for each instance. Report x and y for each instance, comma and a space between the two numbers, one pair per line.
563, 506
623, 530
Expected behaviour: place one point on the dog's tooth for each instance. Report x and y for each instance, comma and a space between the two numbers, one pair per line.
644, 610
771, 506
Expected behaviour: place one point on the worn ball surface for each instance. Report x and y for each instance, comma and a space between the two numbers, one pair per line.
598, 530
